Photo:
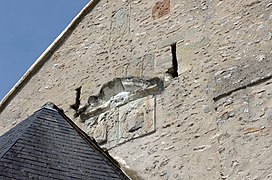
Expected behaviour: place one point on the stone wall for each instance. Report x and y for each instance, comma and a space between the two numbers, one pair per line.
213, 121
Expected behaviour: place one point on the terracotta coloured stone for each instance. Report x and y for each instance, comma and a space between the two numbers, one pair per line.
161, 9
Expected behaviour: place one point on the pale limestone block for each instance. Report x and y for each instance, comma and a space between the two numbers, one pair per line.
137, 119
100, 133
120, 23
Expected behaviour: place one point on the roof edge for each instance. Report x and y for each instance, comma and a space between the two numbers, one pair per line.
91, 141
36, 66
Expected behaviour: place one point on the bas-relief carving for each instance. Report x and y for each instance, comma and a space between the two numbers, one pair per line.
123, 110
134, 67
120, 23
104, 128
148, 65
137, 118
141, 67
100, 133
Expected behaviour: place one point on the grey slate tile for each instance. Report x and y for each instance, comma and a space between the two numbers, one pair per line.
48, 145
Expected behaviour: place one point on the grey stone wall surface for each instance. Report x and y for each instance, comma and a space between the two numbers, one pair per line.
213, 121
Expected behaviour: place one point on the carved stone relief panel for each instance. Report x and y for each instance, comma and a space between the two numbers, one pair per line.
120, 71
104, 128
148, 65
123, 110
100, 133
137, 118
120, 23
134, 67
142, 66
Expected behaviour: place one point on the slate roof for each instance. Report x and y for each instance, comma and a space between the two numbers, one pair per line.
48, 145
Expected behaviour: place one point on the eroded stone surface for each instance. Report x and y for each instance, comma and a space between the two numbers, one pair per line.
141, 67
121, 124
123, 110
161, 8
104, 128
100, 133
137, 118
120, 23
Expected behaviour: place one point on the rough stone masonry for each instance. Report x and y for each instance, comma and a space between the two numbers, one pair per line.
212, 121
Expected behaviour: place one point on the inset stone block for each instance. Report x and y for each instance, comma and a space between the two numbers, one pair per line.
134, 68
186, 53
123, 110
234, 78
120, 71
104, 128
112, 128
148, 65
172, 39
163, 60
100, 133
141, 66
120, 23
137, 119
161, 9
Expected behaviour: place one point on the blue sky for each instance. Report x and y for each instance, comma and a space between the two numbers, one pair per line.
27, 28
